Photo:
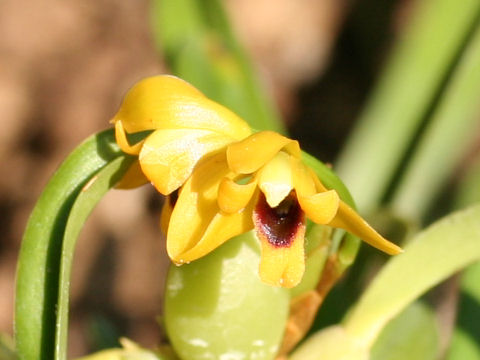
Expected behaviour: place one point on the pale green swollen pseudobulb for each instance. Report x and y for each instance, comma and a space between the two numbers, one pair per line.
217, 307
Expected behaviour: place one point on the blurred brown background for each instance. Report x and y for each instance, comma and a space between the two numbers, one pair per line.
64, 67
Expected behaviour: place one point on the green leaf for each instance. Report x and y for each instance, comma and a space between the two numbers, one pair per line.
39, 260
407, 89
450, 133
200, 47
432, 256
412, 335
436, 253
86, 201
465, 343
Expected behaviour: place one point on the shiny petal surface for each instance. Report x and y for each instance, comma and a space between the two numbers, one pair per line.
321, 208
168, 157
223, 227
133, 178
250, 154
196, 206
233, 197
319, 204
349, 220
275, 179
281, 232
122, 141
167, 102
302, 178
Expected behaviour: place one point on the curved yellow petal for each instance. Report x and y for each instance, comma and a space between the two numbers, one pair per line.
168, 156
248, 155
321, 208
167, 102
196, 206
222, 228
351, 221
283, 266
303, 180
275, 179
133, 178
233, 197
122, 141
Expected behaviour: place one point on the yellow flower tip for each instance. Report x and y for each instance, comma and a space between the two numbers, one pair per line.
249, 155
122, 141
167, 102
281, 231
350, 220
321, 208
275, 179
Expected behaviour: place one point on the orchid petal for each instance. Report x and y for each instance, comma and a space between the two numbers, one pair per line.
133, 178
196, 206
275, 179
233, 197
281, 236
168, 157
321, 208
349, 220
223, 227
302, 178
122, 141
167, 102
250, 154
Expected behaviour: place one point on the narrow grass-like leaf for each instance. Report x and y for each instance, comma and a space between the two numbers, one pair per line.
436, 253
39, 259
449, 135
413, 78
88, 198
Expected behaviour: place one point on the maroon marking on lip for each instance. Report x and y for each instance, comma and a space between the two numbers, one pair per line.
279, 225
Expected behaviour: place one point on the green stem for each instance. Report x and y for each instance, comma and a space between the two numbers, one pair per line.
39, 259
88, 198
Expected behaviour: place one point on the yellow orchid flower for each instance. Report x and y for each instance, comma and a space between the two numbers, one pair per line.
186, 126
259, 182
229, 181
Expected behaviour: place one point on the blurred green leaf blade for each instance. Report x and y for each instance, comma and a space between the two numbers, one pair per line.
413, 77
413, 335
434, 254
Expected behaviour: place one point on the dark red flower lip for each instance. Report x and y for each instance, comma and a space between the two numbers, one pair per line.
279, 225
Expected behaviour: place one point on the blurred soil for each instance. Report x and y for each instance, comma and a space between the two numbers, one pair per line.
64, 66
